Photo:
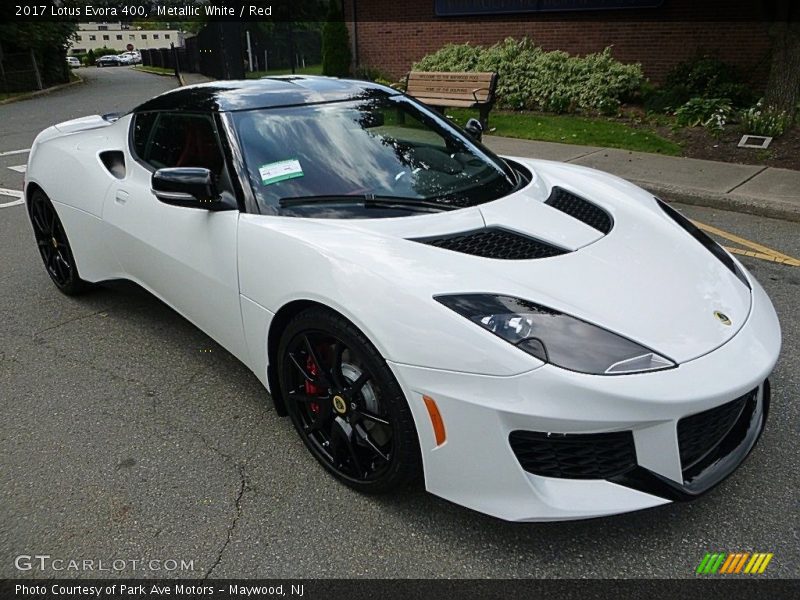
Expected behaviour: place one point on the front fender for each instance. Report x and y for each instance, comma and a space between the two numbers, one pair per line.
382, 284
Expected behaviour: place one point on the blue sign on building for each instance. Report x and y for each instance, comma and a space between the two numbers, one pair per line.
455, 8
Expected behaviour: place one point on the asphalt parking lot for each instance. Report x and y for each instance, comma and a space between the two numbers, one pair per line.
128, 434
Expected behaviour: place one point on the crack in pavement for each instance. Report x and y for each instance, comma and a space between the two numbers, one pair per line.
236, 515
72, 320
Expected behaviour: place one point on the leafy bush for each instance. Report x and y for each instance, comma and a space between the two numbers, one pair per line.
531, 78
370, 74
704, 77
711, 113
765, 121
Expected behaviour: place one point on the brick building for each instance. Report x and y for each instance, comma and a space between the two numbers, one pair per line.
391, 34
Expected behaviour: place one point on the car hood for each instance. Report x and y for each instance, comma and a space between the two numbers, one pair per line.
646, 279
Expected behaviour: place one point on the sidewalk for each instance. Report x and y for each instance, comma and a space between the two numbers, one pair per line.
764, 191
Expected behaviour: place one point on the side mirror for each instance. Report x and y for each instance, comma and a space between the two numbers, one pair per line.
474, 129
191, 187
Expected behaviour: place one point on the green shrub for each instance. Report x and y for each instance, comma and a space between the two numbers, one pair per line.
103, 51
765, 121
336, 54
531, 78
711, 113
371, 74
702, 77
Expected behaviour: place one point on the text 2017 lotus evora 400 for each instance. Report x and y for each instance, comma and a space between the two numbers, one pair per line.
537, 340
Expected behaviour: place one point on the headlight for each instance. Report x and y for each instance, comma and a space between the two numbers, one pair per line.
554, 337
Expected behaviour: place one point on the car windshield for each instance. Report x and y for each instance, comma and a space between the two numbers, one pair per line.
374, 157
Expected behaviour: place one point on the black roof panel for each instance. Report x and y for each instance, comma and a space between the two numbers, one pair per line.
267, 92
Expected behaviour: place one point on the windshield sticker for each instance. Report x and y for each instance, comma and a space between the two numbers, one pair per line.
280, 171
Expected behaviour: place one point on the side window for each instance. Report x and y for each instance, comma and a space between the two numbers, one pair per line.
165, 140
142, 130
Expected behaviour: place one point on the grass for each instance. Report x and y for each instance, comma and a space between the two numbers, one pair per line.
155, 70
568, 129
309, 70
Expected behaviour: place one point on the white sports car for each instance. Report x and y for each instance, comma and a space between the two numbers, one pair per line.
541, 341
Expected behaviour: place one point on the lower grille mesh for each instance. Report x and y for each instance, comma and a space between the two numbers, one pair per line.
700, 433
574, 456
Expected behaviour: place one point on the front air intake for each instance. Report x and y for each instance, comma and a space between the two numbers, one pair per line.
701, 433
494, 242
574, 456
578, 208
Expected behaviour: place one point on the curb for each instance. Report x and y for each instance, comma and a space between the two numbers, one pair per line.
170, 74
55, 88
773, 208
181, 80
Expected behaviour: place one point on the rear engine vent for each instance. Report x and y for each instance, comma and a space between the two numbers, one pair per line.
580, 209
701, 433
574, 456
494, 242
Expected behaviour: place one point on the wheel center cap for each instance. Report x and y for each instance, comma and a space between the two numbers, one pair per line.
339, 405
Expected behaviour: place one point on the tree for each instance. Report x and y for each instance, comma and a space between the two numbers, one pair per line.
783, 85
49, 42
336, 54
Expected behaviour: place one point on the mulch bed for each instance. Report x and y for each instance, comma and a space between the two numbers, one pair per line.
783, 152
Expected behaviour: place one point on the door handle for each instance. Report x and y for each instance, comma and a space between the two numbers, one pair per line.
121, 197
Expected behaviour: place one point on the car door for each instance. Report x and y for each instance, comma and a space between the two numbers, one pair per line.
186, 256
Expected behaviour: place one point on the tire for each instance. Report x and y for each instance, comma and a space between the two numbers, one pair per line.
53, 244
345, 403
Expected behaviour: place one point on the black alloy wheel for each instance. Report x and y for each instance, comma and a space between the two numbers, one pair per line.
54, 245
346, 404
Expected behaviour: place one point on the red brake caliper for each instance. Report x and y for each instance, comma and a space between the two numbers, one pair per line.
311, 388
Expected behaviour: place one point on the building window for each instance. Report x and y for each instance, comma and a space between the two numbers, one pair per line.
131, 36
105, 37
92, 38
166, 36
102, 27
79, 38
119, 37
155, 36
144, 36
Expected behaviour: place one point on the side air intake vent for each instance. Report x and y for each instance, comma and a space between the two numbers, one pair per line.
580, 209
494, 242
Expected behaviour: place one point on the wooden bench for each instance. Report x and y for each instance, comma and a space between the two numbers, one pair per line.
458, 90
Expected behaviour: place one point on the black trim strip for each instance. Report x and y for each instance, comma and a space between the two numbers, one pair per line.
705, 240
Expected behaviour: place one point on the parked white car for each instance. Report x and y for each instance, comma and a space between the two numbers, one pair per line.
73, 62
538, 340
130, 58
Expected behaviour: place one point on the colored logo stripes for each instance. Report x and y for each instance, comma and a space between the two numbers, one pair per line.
739, 562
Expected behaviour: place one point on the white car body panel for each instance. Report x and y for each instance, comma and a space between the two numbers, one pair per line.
230, 273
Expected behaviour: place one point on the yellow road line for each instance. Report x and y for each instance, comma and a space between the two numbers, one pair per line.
739, 240
791, 262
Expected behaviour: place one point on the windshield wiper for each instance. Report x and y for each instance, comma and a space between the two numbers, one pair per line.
369, 201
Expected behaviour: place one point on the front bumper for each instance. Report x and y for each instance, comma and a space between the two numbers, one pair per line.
477, 468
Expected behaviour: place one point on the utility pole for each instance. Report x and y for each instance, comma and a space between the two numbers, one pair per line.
249, 51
